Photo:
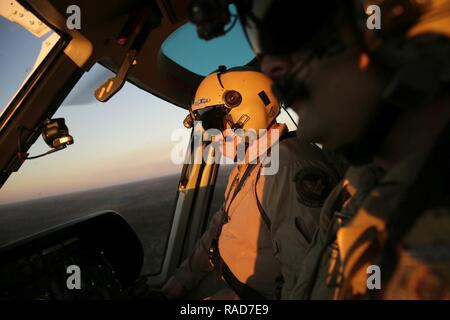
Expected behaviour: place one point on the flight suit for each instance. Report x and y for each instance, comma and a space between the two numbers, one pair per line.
293, 199
317, 276
415, 264
353, 233
423, 270
253, 247
243, 241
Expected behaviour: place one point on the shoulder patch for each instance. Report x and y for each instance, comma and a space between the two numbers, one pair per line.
313, 186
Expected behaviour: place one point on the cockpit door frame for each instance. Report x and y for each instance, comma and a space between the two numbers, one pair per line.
193, 202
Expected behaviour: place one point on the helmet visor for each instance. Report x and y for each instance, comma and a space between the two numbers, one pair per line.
212, 117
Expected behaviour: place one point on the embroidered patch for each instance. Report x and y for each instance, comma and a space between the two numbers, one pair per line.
313, 186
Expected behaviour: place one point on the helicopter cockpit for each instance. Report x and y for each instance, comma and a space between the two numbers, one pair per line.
92, 93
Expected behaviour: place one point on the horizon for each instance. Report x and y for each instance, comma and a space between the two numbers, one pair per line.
125, 140
95, 188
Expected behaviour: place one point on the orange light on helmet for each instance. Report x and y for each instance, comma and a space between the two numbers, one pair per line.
232, 98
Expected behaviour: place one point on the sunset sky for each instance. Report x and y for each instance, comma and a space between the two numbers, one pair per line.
126, 139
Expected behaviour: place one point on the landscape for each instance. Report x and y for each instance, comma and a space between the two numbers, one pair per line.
147, 205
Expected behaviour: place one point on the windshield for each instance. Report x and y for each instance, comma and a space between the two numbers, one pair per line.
201, 56
120, 161
25, 42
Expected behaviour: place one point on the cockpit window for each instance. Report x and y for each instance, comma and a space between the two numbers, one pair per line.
120, 161
200, 56
25, 42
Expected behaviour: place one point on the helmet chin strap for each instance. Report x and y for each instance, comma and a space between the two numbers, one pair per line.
289, 87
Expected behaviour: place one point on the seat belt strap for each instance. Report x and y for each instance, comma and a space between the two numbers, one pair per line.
243, 290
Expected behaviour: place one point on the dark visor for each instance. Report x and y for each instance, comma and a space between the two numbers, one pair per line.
212, 117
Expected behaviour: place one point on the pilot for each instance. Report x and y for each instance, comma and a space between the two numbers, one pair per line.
371, 80
266, 217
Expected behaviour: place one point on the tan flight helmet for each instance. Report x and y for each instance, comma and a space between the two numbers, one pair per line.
238, 98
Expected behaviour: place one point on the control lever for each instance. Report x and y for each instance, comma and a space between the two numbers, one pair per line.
140, 22
114, 84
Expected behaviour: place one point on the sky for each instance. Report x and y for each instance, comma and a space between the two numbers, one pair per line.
126, 139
